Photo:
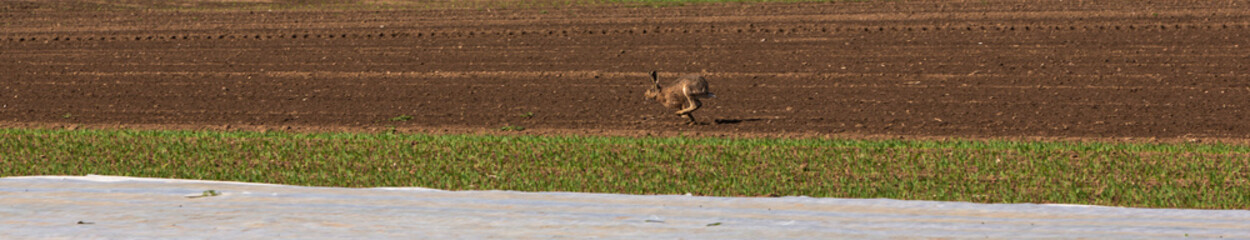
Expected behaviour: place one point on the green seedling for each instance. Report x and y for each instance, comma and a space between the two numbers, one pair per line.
401, 118
206, 193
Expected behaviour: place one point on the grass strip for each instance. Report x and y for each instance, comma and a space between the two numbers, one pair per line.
1208, 176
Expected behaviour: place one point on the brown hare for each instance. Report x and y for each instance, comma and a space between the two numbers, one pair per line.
683, 94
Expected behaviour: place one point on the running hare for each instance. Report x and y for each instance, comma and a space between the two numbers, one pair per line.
687, 90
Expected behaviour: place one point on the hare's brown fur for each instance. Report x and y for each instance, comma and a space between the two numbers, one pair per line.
684, 94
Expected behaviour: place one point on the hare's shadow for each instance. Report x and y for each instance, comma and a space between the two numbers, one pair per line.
736, 121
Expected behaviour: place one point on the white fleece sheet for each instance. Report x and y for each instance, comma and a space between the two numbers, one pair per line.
107, 207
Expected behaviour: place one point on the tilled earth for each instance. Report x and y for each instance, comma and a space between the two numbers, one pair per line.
1168, 69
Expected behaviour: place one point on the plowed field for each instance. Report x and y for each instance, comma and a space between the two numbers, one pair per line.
997, 69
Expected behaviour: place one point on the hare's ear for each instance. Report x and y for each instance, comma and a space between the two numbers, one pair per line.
655, 78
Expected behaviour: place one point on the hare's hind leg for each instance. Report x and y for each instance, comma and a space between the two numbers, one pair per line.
691, 117
688, 111
692, 104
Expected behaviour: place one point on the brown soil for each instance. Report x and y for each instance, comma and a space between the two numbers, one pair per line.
1168, 69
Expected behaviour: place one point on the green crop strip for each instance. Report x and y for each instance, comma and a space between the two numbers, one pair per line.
1210, 176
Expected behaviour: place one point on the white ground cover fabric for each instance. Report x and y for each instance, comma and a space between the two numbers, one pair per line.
106, 207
